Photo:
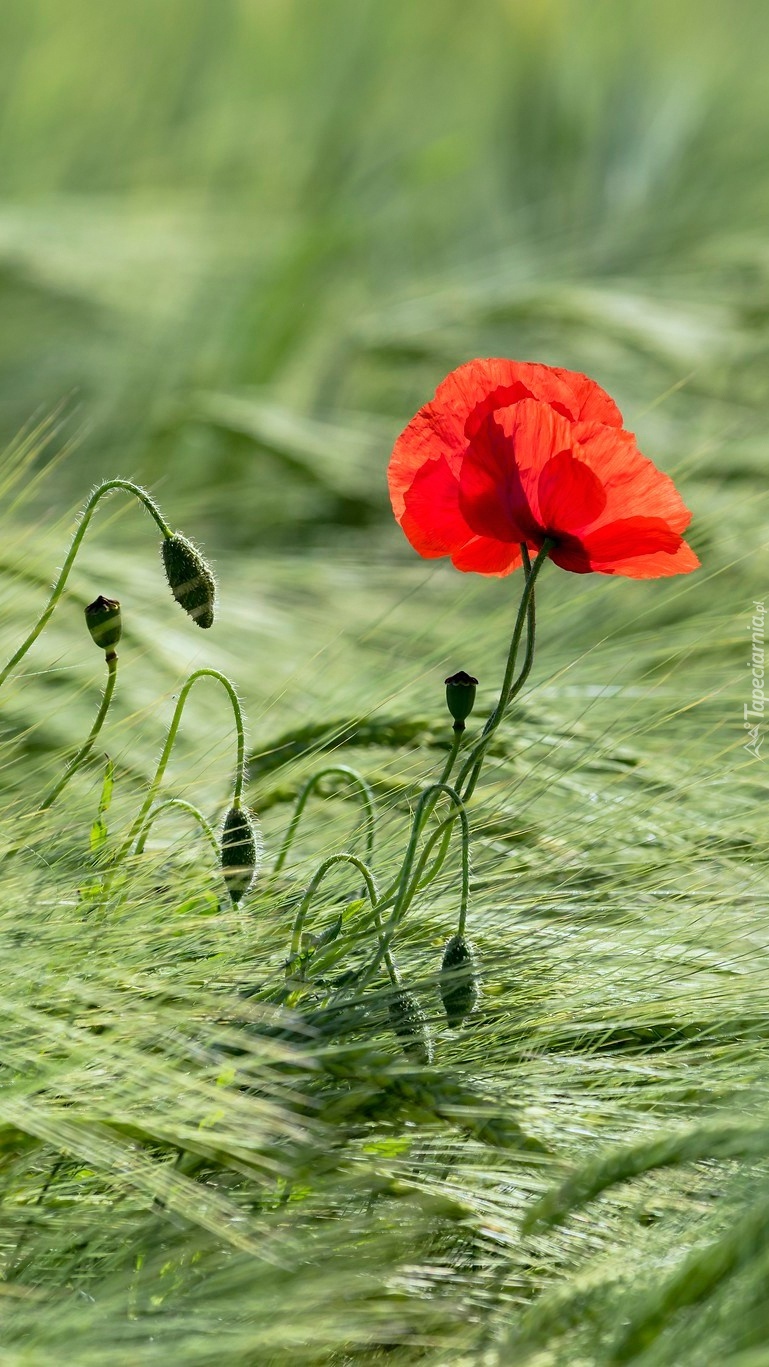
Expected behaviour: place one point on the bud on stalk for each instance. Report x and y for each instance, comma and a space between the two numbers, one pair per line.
460, 697
102, 617
239, 852
191, 580
458, 980
408, 1021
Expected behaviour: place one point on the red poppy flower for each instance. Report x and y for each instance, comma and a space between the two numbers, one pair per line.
512, 452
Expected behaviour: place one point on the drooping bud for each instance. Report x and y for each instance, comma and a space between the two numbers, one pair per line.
102, 617
191, 580
458, 980
410, 1025
240, 851
460, 697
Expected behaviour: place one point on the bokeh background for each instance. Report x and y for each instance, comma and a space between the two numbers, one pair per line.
240, 243
241, 240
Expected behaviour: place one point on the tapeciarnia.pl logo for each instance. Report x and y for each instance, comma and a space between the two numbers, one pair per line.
753, 712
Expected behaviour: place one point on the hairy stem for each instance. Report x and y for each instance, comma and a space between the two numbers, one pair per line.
58, 588
312, 888
169, 742
358, 781
85, 749
407, 887
178, 804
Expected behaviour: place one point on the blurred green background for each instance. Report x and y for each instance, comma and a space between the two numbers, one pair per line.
241, 240
240, 243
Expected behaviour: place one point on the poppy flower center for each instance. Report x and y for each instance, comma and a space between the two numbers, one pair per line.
520, 480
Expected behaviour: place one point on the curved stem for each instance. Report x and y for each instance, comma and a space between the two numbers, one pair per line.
166, 752
85, 749
470, 772
312, 888
179, 804
456, 741
443, 833
407, 887
426, 812
365, 792
419, 881
58, 588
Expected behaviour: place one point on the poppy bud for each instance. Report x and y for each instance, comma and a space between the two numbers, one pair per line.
408, 1021
458, 980
102, 617
239, 852
460, 697
192, 583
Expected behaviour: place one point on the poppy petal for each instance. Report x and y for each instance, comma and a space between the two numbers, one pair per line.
570, 555
500, 476
462, 403
591, 402
418, 445
472, 391
482, 387
491, 495
656, 565
482, 555
431, 517
630, 536
634, 486
571, 495
640, 547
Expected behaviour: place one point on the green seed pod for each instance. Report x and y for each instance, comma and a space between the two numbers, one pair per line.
460, 697
458, 980
102, 617
408, 1021
191, 580
240, 849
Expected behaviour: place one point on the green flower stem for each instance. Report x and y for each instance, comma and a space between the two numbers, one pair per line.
470, 772
312, 888
82, 754
85, 749
179, 804
443, 833
419, 880
456, 741
58, 588
166, 752
422, 814
407, 887
358, 781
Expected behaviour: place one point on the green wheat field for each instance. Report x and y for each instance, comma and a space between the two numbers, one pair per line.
241, 241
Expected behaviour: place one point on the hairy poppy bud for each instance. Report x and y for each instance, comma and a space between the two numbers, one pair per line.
102, 617
458, 980
408, 1021
239, 852
191, 580
460, 697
